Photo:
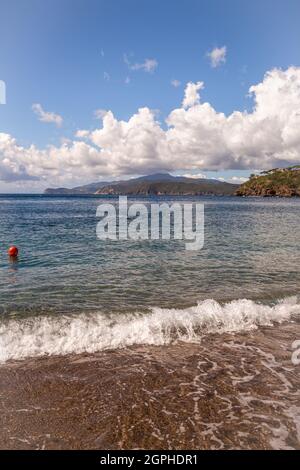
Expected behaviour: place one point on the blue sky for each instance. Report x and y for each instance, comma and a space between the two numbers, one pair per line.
68, 56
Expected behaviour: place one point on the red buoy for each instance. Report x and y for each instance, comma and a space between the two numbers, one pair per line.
13, 251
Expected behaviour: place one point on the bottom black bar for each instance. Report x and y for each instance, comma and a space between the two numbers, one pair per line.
140, 458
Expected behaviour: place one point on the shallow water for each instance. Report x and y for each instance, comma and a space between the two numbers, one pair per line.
231, 391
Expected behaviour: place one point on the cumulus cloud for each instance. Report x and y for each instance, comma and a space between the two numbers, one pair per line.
195, 138
191, 95
149, 65
46, 116
80, 134
69, 163
217, 56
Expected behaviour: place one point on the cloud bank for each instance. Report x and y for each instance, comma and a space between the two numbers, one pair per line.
197, 137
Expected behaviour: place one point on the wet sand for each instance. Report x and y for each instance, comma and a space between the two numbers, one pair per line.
228, 392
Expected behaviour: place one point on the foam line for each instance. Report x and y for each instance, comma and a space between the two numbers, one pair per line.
50, 335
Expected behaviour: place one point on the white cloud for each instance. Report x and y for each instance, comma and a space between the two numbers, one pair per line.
127, 80
196, 138
106, 76
195, 175
175, 83
149, 65
80, 134
45, 116
217, 56
191, 95
237, 179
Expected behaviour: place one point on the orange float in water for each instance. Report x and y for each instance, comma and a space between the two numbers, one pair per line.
13, 251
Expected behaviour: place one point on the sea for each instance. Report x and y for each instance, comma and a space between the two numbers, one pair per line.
142, 344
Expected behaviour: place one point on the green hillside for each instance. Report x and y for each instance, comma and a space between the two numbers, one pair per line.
283, 182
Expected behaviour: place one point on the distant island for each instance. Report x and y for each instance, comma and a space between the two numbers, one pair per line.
281, 182
158, 184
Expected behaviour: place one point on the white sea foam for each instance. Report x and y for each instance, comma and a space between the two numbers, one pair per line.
39, 336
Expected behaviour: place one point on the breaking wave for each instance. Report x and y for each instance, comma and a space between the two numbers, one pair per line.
49, 335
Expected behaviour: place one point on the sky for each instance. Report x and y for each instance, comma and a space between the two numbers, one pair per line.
112, 89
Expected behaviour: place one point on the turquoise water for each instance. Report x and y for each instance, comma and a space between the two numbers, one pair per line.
251, 251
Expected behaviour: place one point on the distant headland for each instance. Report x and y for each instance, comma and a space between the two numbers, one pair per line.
278, 182
281, 182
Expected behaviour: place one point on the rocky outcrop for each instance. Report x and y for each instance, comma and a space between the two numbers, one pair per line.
283, 182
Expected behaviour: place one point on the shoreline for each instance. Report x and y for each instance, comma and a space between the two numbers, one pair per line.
230, 391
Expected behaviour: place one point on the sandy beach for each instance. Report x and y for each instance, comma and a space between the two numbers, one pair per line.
227, 392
